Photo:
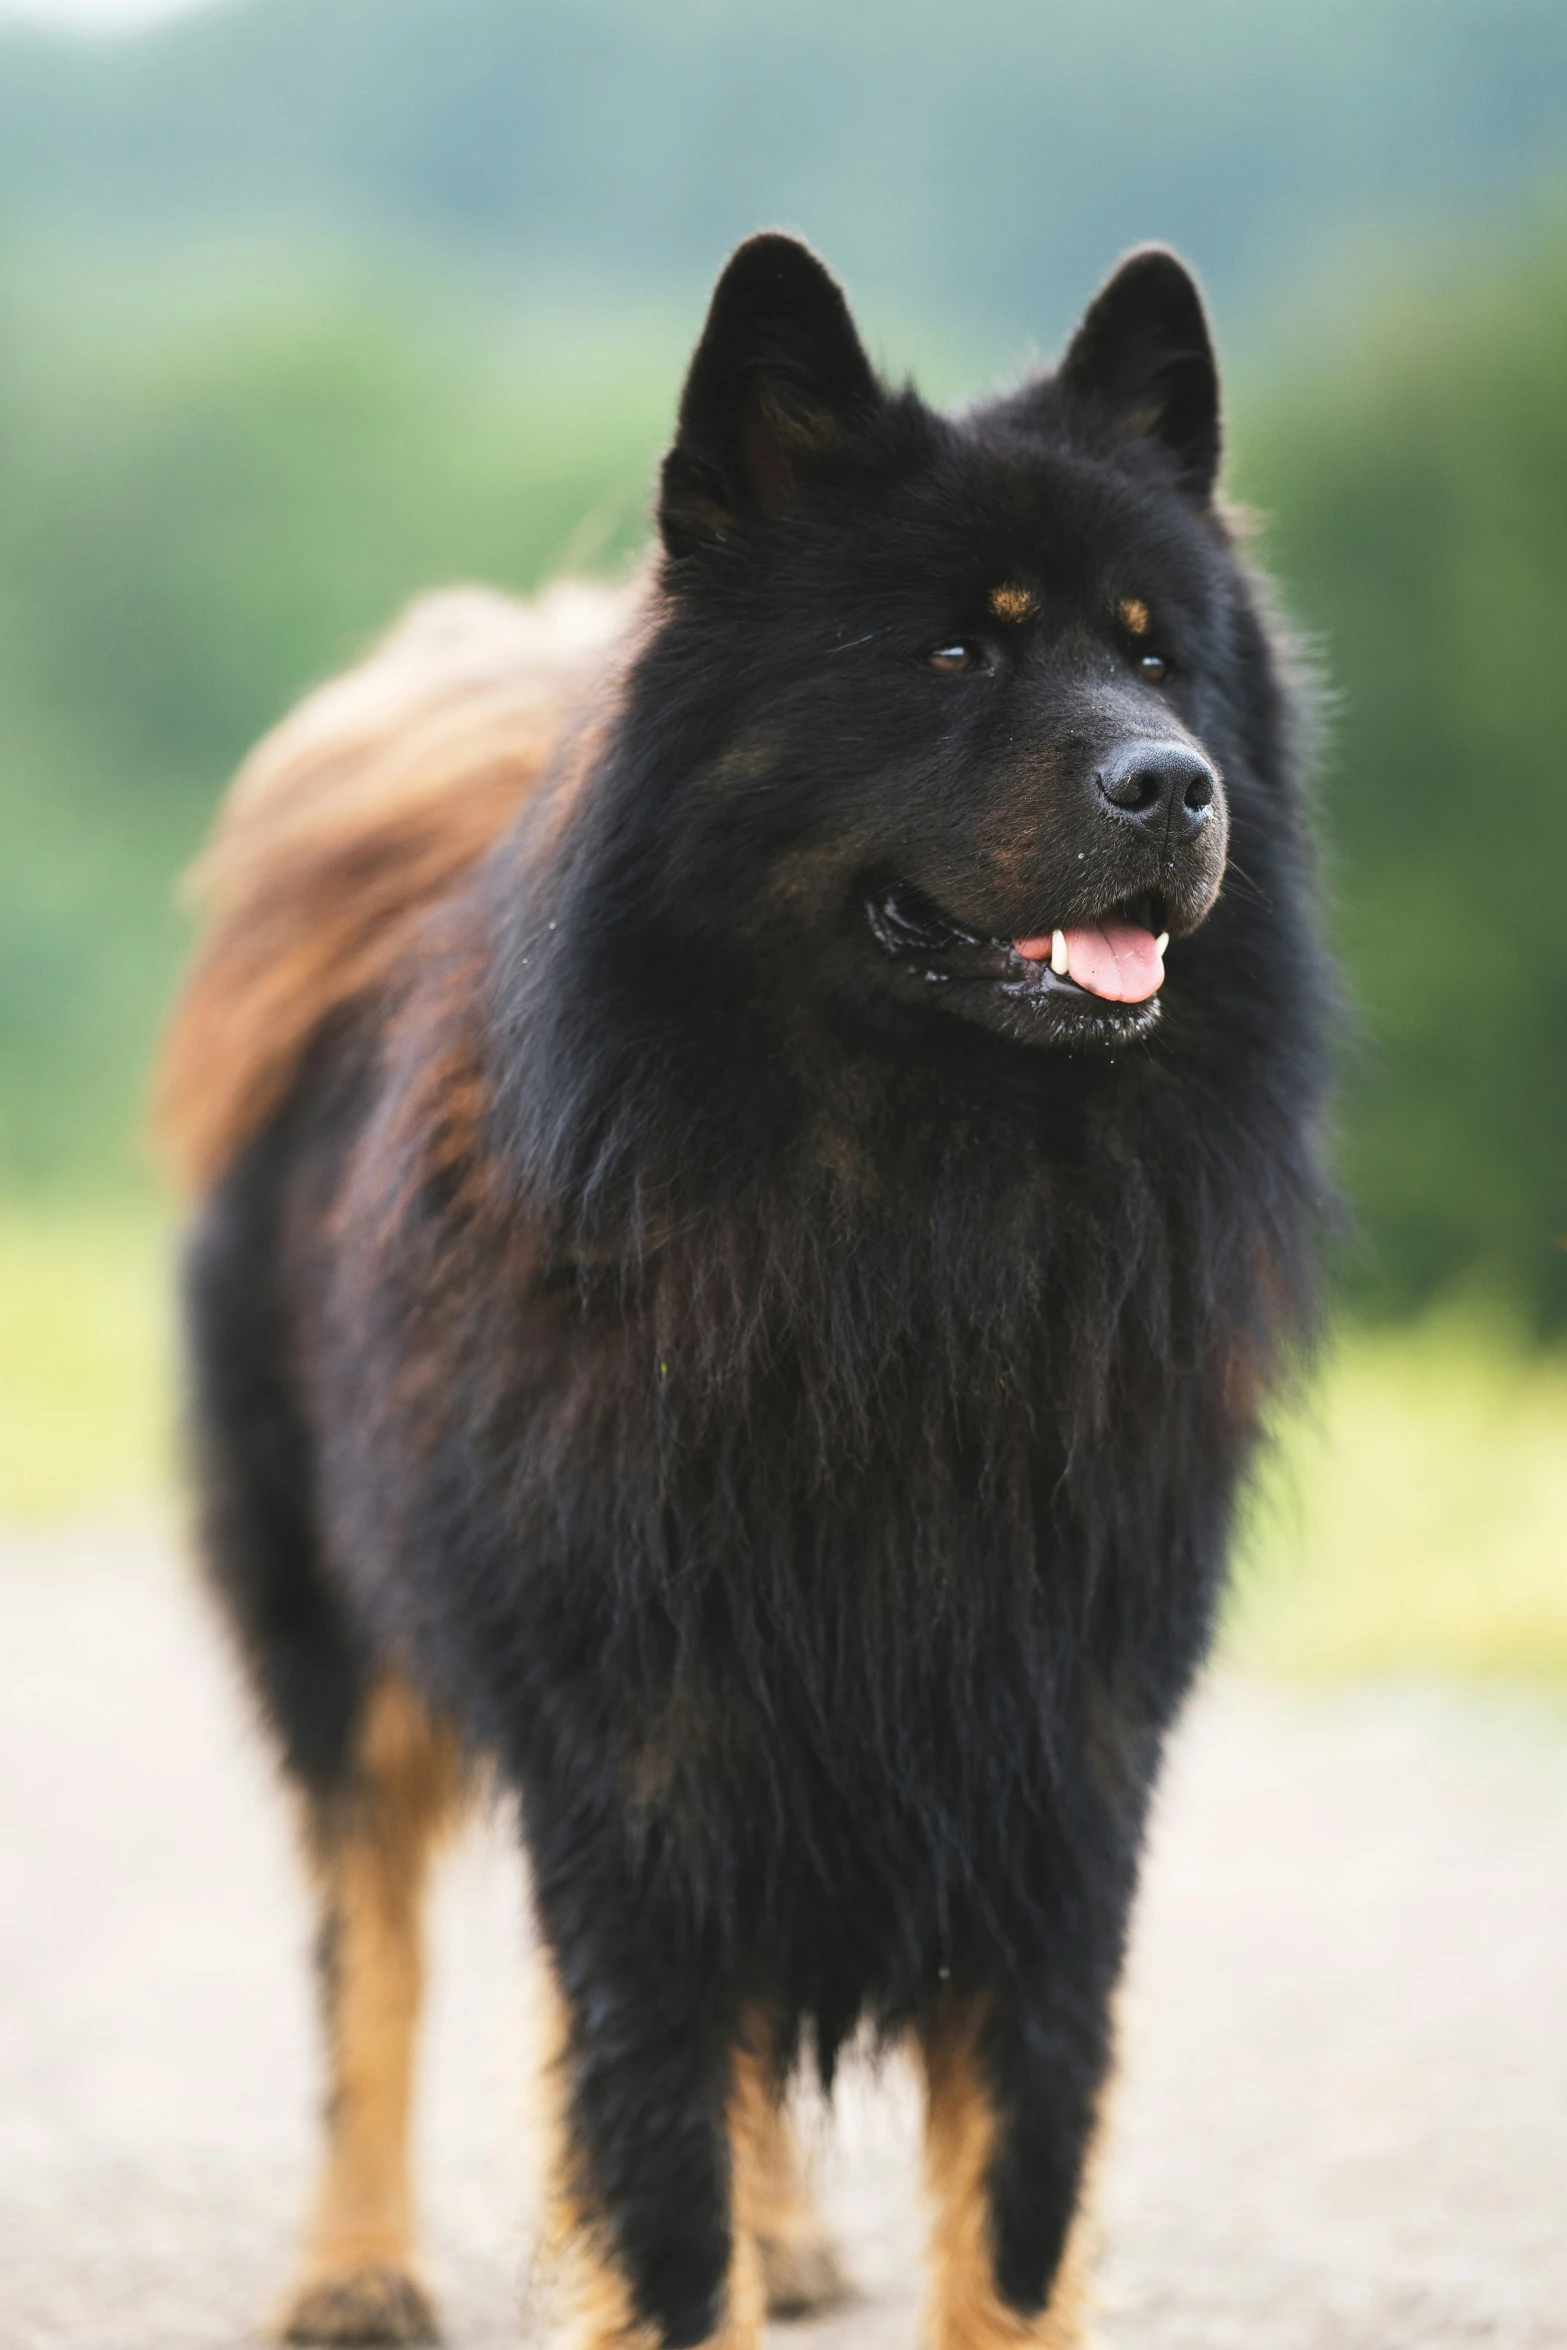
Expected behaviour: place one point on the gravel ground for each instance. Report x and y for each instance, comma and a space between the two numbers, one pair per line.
1344, 2113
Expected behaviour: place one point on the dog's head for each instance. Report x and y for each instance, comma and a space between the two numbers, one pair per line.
951, 689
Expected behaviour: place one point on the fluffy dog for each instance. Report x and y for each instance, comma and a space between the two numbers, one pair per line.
756, 1154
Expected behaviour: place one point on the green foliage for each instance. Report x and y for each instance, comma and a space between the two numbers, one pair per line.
989, 164
1419, 490
196, 523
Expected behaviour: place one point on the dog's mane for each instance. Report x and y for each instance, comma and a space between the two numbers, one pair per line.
346, 825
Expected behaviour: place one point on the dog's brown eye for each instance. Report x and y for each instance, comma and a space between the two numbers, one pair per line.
952, 660
1154, 667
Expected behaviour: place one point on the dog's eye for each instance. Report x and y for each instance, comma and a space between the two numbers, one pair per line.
1154, 667
952, 660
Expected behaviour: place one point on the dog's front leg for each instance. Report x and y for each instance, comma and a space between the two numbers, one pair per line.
1014, 2086
651, 2083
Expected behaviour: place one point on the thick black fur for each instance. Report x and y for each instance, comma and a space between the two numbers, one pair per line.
797, 1430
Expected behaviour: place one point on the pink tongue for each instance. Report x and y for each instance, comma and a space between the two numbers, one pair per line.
1114, 959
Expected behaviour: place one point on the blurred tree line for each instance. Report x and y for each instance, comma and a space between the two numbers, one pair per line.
209, 499
205, 507
982, 165
1416, 490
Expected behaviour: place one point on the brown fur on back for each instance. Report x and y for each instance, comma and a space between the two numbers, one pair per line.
345, 825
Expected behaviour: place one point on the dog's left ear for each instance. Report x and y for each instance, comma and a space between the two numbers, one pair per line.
1143, 361
778, 381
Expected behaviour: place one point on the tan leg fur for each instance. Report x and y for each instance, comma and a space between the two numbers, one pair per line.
781, 2262
772, 2204
358, 2282
966, 2312
588, 2301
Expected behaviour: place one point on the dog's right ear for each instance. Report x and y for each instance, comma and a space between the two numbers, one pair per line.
778, 380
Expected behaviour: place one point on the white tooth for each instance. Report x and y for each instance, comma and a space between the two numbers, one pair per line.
1058, 953
1161, 942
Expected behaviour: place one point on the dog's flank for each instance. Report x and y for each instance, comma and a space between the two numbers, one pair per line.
756, 1179
361, 812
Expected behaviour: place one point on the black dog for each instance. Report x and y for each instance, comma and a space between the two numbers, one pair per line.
746, 1232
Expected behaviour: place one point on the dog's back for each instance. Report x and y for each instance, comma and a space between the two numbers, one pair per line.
353, 817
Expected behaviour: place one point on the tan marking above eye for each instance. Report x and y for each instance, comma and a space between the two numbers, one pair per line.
1134, 615
1011, 603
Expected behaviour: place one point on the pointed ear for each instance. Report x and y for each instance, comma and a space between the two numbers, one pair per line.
778, 380
1142, 360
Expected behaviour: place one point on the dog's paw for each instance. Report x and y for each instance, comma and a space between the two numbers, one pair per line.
373, 2304
802, 2274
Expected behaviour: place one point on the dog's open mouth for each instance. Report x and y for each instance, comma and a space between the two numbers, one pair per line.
1118, 959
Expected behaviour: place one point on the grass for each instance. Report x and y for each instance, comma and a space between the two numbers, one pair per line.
1412, 1518
85, 1362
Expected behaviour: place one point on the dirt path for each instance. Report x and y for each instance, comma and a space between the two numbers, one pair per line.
1344, 2120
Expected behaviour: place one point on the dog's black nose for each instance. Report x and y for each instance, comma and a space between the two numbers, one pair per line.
1165, 789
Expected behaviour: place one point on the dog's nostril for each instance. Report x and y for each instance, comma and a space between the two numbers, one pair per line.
1134, 792
1199, 792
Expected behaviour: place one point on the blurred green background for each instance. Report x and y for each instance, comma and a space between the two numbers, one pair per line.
308, 304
